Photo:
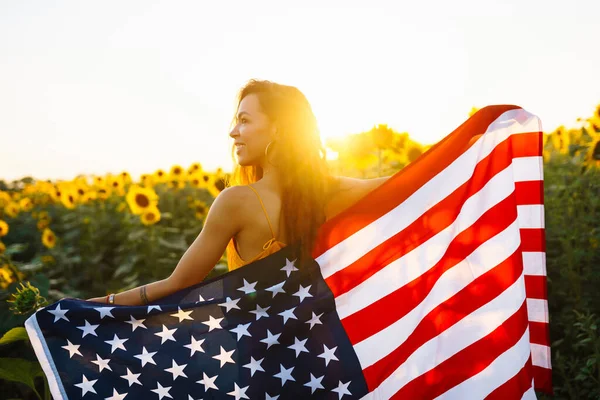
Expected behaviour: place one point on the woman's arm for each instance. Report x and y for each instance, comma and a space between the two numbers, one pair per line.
222, 223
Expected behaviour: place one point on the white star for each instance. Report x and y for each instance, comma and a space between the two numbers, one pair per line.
131, 378
176, 370
146, 357
208, 382
104, 312
314, 383
254, 365
229, 304
271, 339
73, 349
303, 293
116, 395
162, 391
260, 312
59, 313
314, 320
181, 315
298, 346
285, 375
241, 330
102, 363
268, 397
166, 334
116, 343
195, 345
225, 357
328, 354
287, 314
276, 288
136, 323
248, 287
213, 323
342, 389
88, 328
289, 267
86, 386
150, 308
239, 393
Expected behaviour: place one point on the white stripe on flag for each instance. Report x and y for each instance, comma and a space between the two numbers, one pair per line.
534, 263
418, 261
530, 394
528, 168
503, 368
486, 257
435, 190
465, 332
540, 355
531, 216
537, 310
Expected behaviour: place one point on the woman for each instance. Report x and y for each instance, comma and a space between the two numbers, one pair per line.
282, 191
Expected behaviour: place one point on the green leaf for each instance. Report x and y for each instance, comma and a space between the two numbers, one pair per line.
179, 245
14, 335
20, 370
16, 248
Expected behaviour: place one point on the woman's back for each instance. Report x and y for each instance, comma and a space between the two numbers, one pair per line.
263, 231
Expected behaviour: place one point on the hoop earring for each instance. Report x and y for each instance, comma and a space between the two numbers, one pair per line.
266, 155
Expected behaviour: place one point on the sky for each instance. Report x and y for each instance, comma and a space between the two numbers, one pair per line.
104, 87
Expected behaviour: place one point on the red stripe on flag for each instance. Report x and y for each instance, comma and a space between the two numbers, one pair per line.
542, 379
396, 305
460, 366
478, 293
535, 287
538, 333
529, 192
515, 387
533, 239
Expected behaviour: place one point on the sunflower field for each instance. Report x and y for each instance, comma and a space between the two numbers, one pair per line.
99, 234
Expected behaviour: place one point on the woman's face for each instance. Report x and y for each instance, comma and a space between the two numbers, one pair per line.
253, 131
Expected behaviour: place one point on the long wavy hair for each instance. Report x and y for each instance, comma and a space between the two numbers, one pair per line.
300, 160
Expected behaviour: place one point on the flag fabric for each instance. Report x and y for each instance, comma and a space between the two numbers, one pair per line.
431, 286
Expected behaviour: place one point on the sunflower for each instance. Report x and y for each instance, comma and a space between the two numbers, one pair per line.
68, 198
122, 206
3, 228
12, 209
89, 196
560, 140
48, 238
150, 216
116, 184
196, 180
210, 183
176, 173
4, 198
160, 176
141, 199
103, 193
195, 167
2, 248
43, 224
200, 209
99, 181
592, 157
414, 151
126, 178
147, 180
26, 204
6, 276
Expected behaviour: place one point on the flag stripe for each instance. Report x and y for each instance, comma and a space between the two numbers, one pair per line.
542, 378
529, 192
503, 353
531, 216
537, 310
535, 287
538, 333
516, 386
533, 240
477, 294
534, 263
470, 329
407, 291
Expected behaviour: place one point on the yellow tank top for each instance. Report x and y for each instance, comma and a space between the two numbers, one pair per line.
234, 261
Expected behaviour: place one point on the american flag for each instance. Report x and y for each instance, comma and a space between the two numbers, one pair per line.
431, 286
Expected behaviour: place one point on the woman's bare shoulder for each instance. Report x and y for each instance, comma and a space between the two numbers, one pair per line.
346, 191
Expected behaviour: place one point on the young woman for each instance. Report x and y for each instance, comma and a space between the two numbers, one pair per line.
280, 193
